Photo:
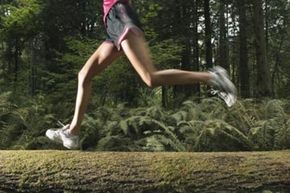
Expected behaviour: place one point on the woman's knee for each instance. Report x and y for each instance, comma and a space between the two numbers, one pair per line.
84, 77
150, 80
92, 67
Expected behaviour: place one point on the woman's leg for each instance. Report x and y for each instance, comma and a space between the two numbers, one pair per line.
103, 57
136, 49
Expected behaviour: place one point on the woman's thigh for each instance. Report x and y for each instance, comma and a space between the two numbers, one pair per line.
137, 51
100, 59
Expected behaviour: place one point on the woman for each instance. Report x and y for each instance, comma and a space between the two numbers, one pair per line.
125, 36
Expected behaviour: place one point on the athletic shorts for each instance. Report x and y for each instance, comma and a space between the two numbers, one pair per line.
120, 20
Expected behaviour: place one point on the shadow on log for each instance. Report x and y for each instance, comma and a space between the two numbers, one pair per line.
106, 172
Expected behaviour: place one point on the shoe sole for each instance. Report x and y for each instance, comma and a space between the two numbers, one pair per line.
67, 145
52, 138
224, 77
228, 98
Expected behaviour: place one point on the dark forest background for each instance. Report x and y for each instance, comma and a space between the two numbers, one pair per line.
44, 43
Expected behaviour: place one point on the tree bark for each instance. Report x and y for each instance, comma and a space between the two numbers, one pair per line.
183, 13
208, 45
16, 59
223, 54
164, 101
263, 72
186, 64
267, 25
99, 172
195, 46
244, 72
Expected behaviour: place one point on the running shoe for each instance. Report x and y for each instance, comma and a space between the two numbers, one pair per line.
63, 136
223, 86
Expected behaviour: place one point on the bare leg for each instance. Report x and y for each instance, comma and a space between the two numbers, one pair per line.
103, 57
138, 54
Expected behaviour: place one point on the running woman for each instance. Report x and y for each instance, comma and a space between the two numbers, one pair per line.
125, 36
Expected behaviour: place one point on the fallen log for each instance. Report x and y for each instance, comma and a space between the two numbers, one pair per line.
139, 172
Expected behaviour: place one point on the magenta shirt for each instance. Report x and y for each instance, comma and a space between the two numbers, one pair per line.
108, 4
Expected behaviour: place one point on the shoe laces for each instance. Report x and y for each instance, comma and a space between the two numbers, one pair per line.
64, 127
223, 95
60, 123
214, 91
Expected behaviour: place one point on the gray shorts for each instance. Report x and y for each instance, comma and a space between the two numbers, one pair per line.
120, 20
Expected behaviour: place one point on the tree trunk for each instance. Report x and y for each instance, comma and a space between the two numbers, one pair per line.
263, 72
32, 67
267, 25
16, 59
244, 72
164, 96
195, 45
186, 64
223, 54
208, 45
185, 91
74, 171
234, 59
275, 73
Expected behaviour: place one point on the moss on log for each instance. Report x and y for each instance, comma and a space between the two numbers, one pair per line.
116, 172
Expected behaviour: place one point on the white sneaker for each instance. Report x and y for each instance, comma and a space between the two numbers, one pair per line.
63, 136
228, 98
226, 90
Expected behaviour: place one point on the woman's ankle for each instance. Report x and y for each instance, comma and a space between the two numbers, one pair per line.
74, 130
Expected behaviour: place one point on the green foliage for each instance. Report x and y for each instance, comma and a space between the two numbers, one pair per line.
190, 128
274, 110
79, 50
20, 126
43, 48
21, 20
217, 135
262, 135
11, 122
205, 126
37, 143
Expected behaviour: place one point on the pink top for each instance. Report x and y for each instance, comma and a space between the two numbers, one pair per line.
108, 4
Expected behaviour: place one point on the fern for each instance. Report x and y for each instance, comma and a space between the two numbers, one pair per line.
189, 132
208, 126
180, 116
274, 109
213, 109
155, 143
140, 111
239, 117
282, 137
160, 142
155, 112
132, 126
113, 143
262, 136
92, 131
193, 110
36, 143
217, 135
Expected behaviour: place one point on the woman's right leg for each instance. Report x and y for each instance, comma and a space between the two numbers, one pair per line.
137, 51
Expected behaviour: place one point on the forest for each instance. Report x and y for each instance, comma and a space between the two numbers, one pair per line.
44, 44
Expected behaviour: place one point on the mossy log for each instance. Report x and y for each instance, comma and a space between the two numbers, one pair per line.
138, 172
